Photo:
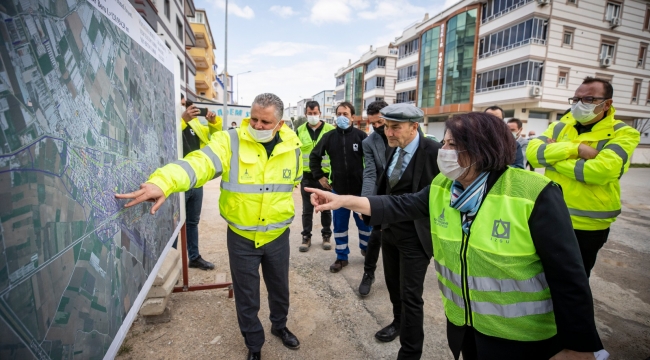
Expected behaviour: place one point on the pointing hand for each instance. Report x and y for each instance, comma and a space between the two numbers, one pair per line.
148, 192
324, 200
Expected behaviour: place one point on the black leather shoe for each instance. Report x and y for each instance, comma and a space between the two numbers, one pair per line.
288, 339
366, 283
199, 263
254, 355
389, 333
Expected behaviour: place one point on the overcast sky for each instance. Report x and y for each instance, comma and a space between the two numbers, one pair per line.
294, 47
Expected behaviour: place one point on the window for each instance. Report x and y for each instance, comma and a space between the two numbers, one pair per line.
202, 93
643, 50
459, 58
340, 80
182, 65
531, 31
567, 37
376, 63
179, 28
572, 2
538, 115
198, 19
409, 47
612, 10
406, 97
607, 50
497, 8
376, 82
407, 73
428, 80
563, 78
636, 91
646, 21
522, 74
167, 10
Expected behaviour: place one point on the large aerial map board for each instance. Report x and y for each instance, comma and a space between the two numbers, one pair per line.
87, 110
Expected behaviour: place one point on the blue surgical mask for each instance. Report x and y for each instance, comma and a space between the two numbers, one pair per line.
343, 122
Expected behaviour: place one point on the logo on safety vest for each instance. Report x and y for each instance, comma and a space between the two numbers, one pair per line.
192, 132
286, 174
441, 221
501, 230
245, 175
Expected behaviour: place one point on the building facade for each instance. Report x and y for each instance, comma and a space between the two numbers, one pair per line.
325, 99
203, 56
526, 56
372, 77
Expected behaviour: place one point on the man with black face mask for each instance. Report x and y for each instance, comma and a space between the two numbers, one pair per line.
374, 154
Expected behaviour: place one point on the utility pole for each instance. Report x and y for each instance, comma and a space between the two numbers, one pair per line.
225, 74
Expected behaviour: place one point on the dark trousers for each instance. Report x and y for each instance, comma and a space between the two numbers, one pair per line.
372, 252
245, 261
590, 242
193, 204
405, 266
308, 208
476, 346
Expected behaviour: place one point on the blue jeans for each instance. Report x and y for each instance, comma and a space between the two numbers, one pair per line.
341, 222
193, 203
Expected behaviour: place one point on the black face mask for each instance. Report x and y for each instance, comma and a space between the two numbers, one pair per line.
379, 129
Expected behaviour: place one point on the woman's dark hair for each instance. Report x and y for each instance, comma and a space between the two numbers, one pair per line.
487, 139
347, 105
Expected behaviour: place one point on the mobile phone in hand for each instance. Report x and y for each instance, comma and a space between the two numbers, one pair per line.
203, 111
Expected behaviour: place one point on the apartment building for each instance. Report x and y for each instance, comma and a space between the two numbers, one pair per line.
300, 106
203, 56
325, 99
526, 56
168, 19
372, 77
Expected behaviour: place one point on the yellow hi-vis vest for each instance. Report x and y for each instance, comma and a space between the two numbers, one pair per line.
591, 187
493, 279
256, 191
308, 145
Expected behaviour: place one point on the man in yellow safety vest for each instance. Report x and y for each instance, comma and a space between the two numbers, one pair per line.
587, 152
260, 165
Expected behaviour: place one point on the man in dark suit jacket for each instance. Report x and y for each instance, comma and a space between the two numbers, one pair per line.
374, 155
407, 249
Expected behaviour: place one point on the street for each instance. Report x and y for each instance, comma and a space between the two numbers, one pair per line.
332, 321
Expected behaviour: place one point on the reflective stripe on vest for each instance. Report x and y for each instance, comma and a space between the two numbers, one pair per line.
233, 185
218, 168
535, 284
507, 311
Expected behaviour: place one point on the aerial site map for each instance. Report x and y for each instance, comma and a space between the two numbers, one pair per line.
85, 112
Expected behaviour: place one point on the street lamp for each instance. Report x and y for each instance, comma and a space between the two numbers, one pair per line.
225, 73
245, 72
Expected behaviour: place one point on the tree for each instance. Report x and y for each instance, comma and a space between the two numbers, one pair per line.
301, 120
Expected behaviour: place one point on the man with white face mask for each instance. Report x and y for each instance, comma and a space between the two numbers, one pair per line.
310, 134
587, 152
260, 164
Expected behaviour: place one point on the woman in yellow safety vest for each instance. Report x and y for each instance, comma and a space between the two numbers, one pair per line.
507, 261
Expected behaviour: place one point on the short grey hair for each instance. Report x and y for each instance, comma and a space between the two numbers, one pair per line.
267, 99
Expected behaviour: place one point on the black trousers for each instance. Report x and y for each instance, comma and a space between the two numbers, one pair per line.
308, 208
245, 261
372, 252
476, 346
590, 243
405, 266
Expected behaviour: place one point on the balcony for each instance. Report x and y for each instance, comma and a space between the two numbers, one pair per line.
514, 92
201, 60
412, 58
512, 46
201, 41
201, 81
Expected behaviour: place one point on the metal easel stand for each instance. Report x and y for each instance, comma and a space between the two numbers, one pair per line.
186, 287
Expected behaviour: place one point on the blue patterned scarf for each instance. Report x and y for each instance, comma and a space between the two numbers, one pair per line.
468, 201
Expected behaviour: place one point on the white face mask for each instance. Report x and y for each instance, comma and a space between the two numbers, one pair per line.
584, 113
262, 136
448, 164
313, 119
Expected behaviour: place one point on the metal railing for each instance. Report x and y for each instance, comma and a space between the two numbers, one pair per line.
407, 78
505, 11
512, 46
508, 86
402, 56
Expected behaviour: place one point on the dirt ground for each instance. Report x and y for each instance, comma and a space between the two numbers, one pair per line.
333, 321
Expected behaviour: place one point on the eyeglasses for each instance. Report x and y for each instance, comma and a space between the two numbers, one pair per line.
585, 99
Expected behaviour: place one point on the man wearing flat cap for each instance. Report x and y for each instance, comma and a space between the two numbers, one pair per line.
407, 249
